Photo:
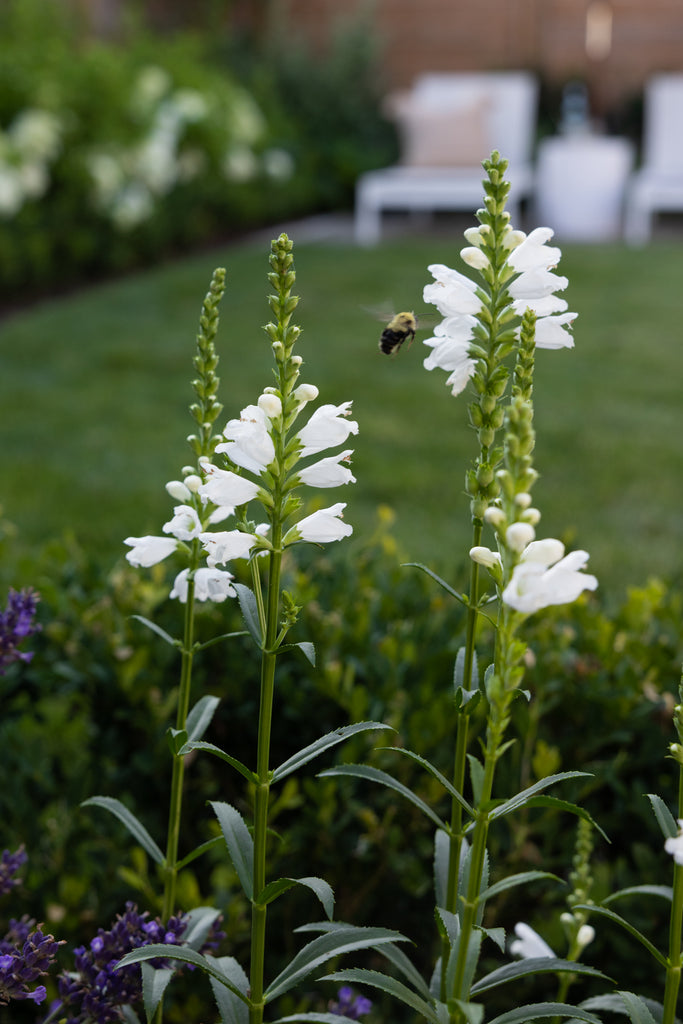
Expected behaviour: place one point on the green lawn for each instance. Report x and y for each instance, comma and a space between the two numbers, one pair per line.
94, 392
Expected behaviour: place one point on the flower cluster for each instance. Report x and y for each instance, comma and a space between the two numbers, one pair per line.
28, 148
9, 865
26, 954
16, 623
96, 990
530, 284
348, 1004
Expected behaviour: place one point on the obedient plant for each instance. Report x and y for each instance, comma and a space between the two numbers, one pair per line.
257, 467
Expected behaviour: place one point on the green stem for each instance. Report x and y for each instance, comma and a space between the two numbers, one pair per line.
460, 759
262, 795
673, 970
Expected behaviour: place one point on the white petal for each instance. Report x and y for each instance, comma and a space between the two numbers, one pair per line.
327, 427
551, 331
529, 943
147, 551
322, 526
328, 472
224, 545
185, 524
226, 488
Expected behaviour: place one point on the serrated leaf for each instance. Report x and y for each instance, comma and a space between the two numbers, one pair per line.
465, 694
198, 851
323, 948
448, 786
611, 916
200, 717
185, 955
534, 1011
665, 818
403, 964
239, 842
231, 1009
157, 629
637, 1010
476, 775
211, 748
308, 650
665, 891
135, 827
313, 1018
249, 609
362, 976
363, 771
176, 739
613, 1001
473, 1012
532, 965
322, 889
199, 922
522, 878
330, 739
129, 1015
154, 984
520, 799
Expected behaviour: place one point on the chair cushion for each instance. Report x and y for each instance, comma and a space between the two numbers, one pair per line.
444, 134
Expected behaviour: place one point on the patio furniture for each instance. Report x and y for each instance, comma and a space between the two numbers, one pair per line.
580, 185
448, 123
658, 185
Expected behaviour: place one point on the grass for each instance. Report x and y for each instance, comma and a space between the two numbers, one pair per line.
95, 387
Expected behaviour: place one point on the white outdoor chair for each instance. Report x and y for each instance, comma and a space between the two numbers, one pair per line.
658, 185
448, 123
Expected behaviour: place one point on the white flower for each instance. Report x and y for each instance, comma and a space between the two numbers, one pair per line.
185, 524
585, 936
326, 428
249, 443
147, 551
551, 331
239, 163
453, 294
270, 404
11, 193
674, 845
533, 253
320, 527
484, 556
223, 546
474, 257
542, 577
225, 488
328, 472
529, 943
178, 490
305, 393
278, 163
451, 350
209, 585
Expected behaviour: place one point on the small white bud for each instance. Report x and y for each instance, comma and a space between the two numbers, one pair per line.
484, 556
305, 393
513, 238
495, 516
193, 482
585, 935
518, 535
296, 360
474, 257
271, 405
178, 490
523, 499
531, 515
474, 236
187, 469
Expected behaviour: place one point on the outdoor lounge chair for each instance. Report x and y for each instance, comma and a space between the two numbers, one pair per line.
448, 123
658, 185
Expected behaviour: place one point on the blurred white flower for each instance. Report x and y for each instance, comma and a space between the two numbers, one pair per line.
190, 105
209, 585
36, 134
278, 164
246, 122
529, 943
240, 163
11, 194
132, 206
151, 85
674, 844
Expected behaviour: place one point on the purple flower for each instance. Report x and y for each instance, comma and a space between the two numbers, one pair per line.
23, 963
349, 1004
16, 623
9, 864
97, 989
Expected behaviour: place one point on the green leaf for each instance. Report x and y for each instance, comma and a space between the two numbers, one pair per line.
186, 956
154, 984
611, 916
473, 1012
520, 799
613, 1001
199, 922
519, 879
157, 629
129, 1015
331, 739
536, 1010
176, 739
322, 889
532, 965
569, 807
249, 609
344, 939
198, 851
476, 775
665, 818
665, 891
231, 1009
437, 579
402, 963
200, 716
135, 827
637, 1010
363, 771
308, 650
239, 842
448, 786
314, 1018
442, 848
362, 976
211, 748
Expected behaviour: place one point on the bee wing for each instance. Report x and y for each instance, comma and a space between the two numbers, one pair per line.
426, 320
383, 311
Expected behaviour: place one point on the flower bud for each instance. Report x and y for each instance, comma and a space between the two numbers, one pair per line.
271, 405
305, 393
193, 482
523, 499
518, 535
178, 490
484, 556
495, 516
474, 257
531, 515
585, 935
475, 235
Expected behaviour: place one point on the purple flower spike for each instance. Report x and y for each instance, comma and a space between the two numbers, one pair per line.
9, 865
22, 965
349, 1004
16, 623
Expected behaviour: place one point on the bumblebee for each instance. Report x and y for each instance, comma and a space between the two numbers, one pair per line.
399, 329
